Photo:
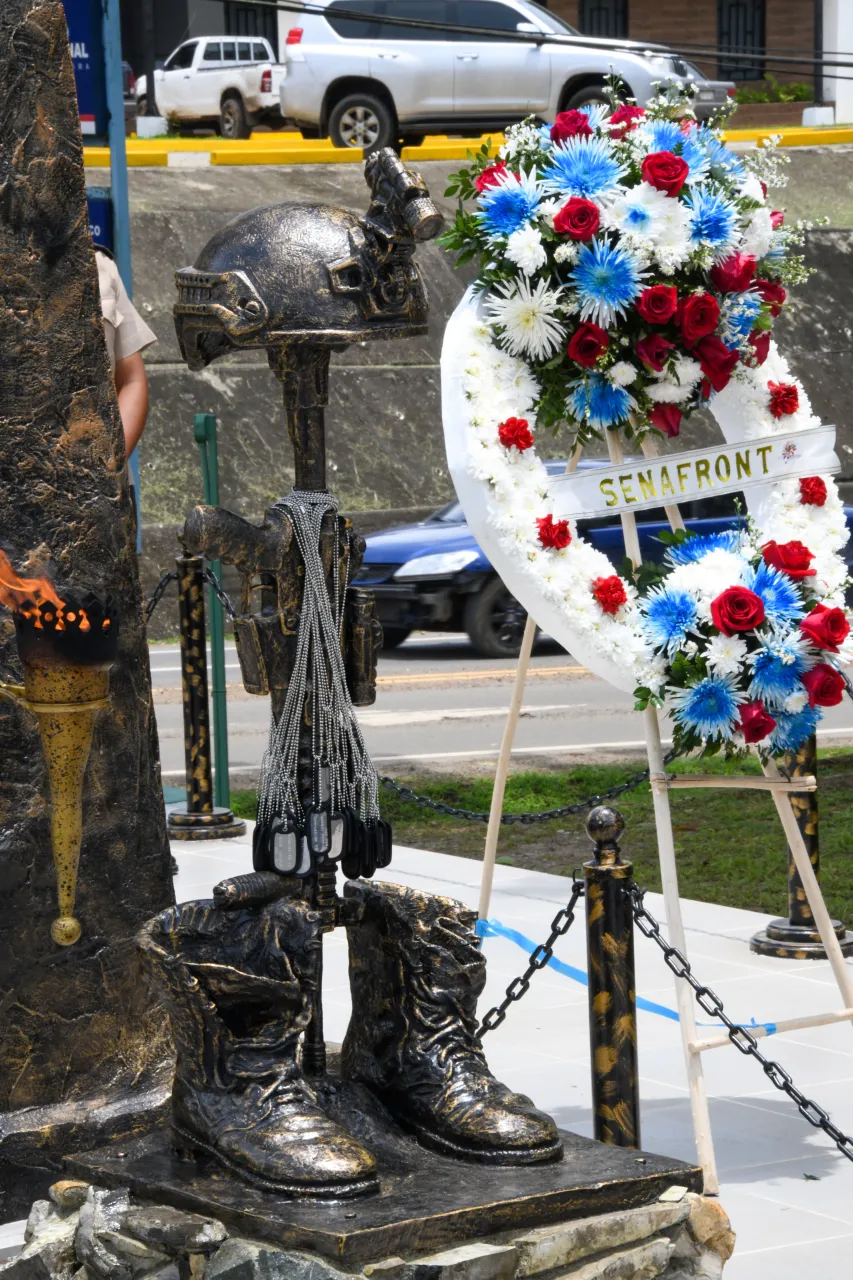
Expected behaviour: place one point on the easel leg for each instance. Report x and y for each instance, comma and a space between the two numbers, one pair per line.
675, 934
828, 936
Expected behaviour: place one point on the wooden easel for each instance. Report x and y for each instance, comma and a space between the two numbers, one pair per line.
773, 782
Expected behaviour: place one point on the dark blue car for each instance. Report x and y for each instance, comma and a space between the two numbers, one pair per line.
433, 576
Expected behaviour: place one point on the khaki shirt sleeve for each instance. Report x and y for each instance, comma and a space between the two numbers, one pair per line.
125, 330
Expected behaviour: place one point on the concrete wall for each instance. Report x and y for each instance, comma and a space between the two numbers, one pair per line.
384, 427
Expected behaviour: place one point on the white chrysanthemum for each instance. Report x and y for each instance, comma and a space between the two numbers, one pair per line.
676, 383
548, 211
646, 218
758, 234
726, 654
528, 316
622, 373
795, 701
566, 252
750, 187
524, 248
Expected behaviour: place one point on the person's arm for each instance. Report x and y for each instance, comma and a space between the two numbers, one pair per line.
132, 387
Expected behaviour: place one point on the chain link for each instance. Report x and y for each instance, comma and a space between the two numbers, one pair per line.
158, 593
538, 959
526, 819
212, 580
741, 1037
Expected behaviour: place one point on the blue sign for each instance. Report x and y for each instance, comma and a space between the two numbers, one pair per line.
99, 200
85, 36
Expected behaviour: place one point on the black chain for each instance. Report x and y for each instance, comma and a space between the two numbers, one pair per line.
158, 593
741, 1037
539, 957
211, 578
527, 819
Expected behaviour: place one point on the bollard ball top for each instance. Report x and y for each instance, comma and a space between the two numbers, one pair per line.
605, 825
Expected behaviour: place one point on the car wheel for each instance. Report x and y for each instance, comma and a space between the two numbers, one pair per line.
494, 621
232, 119
393, 637
360, 120
588, 97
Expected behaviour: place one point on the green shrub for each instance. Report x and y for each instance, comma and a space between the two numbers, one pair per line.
770, 90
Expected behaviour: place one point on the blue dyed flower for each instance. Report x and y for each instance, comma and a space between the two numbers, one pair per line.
793, 728
780, 597
599, 401
699, 544
713, 221
598, 112
696, 159
510, 205
582, 167
663, 135
775, 674
738, 313
668, 618
607, 280
709, 708
720, 159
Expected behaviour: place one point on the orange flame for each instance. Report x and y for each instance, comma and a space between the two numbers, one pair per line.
16, 591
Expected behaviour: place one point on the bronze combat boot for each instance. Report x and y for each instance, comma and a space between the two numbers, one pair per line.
416, 972
239, 989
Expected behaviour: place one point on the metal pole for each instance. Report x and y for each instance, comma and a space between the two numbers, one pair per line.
612, 984
818, 50
198, 818
797, 938
204, 429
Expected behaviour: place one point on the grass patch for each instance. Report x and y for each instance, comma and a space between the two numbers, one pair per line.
730, 845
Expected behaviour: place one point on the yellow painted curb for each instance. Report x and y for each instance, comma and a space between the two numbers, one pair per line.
796, 136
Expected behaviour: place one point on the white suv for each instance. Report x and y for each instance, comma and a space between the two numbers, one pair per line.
368, 83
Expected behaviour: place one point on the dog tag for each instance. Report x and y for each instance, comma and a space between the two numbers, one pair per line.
319, 829
339, 832
306, 862
284, 845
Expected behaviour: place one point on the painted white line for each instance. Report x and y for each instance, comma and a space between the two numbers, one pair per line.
159, 671
376, 718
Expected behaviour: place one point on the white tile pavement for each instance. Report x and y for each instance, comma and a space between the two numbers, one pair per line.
788, 1224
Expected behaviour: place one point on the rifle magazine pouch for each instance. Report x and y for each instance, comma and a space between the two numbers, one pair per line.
364, 642
252, 665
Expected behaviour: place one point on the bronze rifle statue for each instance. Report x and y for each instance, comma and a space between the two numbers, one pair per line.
243, 974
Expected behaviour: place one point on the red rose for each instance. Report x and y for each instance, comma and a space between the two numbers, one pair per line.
665, 171
578, 219
755, 722
654, 350
737, 609
667, 418
570, 124
792, 558
658, 304
698, 316
825, 627
628, 117
763, 187
716, 360
515, 433
491, 176
760, 343
610, 593
812, 491
587, 344
554, 533
777, 219
772, 293
825, 685
735, 274
784, 398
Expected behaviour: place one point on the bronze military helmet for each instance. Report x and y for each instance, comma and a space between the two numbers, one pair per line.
311, 273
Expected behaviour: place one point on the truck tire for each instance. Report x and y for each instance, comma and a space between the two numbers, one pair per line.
588, 96
361, 120
494, 621
233, 122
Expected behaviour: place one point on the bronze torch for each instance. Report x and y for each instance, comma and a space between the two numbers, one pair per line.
66, 648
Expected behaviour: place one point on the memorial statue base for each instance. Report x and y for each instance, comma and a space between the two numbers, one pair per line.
426, 1201
787, 941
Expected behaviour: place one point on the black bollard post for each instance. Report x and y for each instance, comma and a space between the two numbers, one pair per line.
612, 995
198, 818
797, 937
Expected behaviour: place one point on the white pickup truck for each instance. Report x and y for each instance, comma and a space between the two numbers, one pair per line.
229, 83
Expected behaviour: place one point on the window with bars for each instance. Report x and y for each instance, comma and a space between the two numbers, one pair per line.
740, 29
604, 18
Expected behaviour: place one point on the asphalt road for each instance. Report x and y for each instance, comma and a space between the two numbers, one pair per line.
441, 706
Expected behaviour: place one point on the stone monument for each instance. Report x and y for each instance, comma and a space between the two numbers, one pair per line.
83, 1048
